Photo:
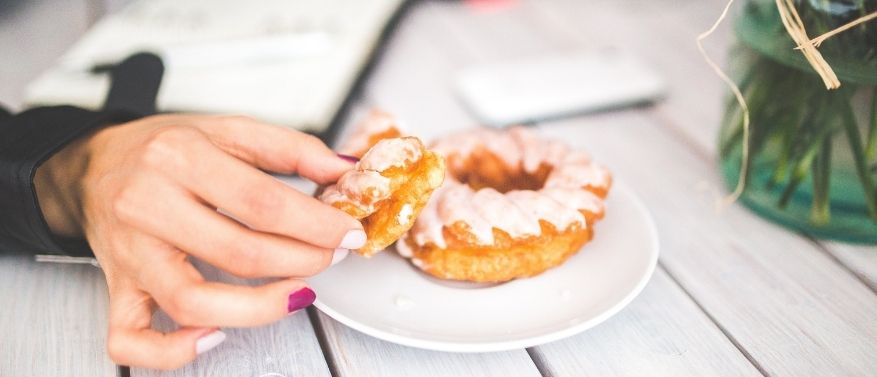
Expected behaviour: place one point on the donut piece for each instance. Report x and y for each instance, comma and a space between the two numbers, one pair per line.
513, 205
387, 189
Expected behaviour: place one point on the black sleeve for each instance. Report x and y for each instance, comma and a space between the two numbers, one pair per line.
26, 141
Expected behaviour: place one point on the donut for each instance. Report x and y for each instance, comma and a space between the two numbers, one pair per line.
376, 126
388, 186
512, 205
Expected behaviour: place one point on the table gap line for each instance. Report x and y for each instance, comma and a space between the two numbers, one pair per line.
323, 340
825, 250
715, 322
539, 362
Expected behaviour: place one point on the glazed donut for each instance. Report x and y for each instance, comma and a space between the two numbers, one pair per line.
388, 187
513, 205
376, 126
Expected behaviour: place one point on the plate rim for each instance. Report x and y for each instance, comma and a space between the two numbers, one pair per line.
526, 342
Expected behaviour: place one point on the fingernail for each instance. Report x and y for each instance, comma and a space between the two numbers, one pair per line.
348, 158
339, 255
209, 341
354, 239
300, 299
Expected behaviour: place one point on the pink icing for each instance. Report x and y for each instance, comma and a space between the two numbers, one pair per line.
455, 204
388, 153
377, 122
516, 212
578, 175
364, 186
538, 205
502, 213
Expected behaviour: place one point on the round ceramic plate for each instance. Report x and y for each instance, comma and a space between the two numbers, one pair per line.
388, 298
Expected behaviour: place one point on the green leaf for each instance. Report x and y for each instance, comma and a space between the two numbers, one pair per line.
798, 174
820, 212
871, 148
818, 126
855, 140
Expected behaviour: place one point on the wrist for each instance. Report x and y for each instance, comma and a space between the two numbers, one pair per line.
58, 185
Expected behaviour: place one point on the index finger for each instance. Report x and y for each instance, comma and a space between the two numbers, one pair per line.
261, 201
275, 148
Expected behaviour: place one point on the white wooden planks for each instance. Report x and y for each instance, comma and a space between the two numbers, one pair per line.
789, 306
786, 303
414, 81
663, 34
356, 354
693, 109
661, 333
717, 258
53, 319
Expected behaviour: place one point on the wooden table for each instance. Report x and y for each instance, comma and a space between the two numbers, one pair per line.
733, 295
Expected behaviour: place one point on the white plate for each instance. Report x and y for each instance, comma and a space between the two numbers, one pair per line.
388, 298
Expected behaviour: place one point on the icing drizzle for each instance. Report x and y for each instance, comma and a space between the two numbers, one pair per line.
516, 212
364, 186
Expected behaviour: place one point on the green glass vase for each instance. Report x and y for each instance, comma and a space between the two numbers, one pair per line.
812, 151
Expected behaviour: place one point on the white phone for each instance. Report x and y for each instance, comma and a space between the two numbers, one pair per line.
528, 90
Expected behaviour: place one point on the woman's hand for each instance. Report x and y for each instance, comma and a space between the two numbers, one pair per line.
145, 194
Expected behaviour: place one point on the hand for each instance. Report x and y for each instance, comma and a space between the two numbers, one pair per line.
145, 194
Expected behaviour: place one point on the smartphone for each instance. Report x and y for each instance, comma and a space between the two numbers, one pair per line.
548, 87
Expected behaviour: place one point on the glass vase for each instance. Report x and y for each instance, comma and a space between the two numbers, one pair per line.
812, 152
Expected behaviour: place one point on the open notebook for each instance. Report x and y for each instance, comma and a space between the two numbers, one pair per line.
289, 62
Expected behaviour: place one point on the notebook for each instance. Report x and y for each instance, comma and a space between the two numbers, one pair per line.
288, 62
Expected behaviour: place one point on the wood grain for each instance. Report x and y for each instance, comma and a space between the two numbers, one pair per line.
53, 321
692, 110
787, 304
663, 32
356, 354
861, 259
746, 288
414, 82
662, 333
790, 308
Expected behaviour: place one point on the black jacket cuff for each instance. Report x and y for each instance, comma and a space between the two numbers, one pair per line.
26, 141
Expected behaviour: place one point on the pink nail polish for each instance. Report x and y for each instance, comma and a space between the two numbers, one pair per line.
353, 239
300, 299
348, 158
209, 341
339, 256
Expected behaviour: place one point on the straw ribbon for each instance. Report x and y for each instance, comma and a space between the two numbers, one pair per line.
795, 27
818, 40
741, 181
